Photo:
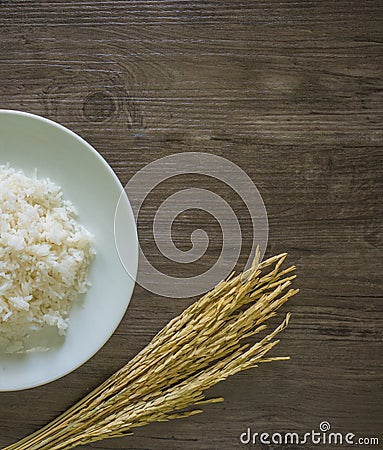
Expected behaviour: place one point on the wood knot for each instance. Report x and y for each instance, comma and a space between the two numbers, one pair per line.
99, 106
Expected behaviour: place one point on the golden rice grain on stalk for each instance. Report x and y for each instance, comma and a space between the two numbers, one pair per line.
193, 352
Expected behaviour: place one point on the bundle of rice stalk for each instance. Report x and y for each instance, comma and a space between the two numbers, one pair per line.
196, 350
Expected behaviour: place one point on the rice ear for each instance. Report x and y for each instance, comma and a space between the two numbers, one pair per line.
196, 350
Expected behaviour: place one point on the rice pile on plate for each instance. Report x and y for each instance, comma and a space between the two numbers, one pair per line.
44, 258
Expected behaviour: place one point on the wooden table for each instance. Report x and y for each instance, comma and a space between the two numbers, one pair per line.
289, 91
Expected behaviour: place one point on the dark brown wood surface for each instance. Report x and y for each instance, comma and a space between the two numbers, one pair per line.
291, 92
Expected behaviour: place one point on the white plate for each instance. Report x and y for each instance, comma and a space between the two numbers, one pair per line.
30, 142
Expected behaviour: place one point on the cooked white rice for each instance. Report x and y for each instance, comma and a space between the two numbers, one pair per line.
44, 258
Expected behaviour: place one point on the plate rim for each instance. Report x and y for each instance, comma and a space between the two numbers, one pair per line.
135, 251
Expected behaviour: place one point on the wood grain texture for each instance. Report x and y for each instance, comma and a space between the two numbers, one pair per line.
291, 92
